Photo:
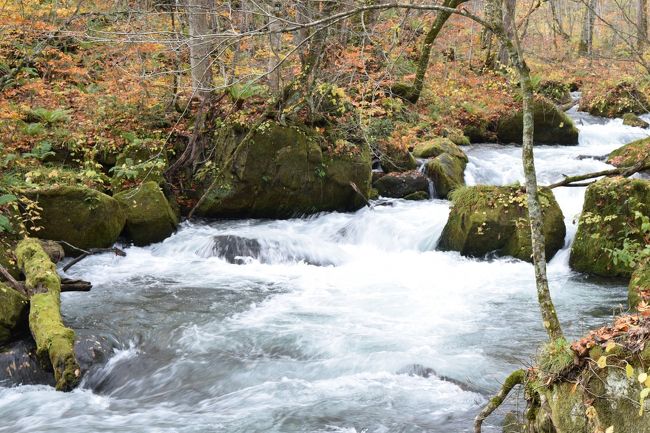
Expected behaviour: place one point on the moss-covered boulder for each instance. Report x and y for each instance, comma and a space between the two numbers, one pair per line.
615, 101
600, 385
639, 288
485, 219
284, 171
149, 217
447, 169
610, 229
631, 154
14, 308
556, 91
401, 185
552, 126
437, 146
631, 119
78, 216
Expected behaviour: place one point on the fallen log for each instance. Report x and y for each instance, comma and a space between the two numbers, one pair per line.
621, 171
54, 341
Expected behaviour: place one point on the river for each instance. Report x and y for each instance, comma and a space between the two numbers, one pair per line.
320, 331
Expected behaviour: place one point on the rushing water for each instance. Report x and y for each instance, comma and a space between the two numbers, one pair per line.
318, 332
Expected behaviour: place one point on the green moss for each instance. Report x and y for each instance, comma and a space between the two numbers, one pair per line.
631, 154
438, 146
141, 161
14, 308
149, 217
397, 160
54, 341
447, 173
607, 221
79, 216
631, 119
639, 287
552, 126
419, 195
486, 219
285, 171
555, 358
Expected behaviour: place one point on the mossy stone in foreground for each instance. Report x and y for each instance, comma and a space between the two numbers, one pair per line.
552, 126
14, 307
631, 154
149, 217
607, 220
79, 216
486, 219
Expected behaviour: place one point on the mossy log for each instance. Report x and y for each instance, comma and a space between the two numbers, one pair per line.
54, 341
517, 377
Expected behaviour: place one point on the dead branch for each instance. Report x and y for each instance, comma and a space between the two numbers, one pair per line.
621, 171
93, 251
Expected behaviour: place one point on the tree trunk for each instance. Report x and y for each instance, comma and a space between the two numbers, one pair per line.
275, 40
200, 46
642, 24
508, 26
425, 54
549, 315
586, 36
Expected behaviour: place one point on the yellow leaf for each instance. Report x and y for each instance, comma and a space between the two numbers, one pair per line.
590, 412
610, 346
629, 371
609, 429
642, 377
602, 362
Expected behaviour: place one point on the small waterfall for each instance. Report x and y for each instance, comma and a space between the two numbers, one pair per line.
422, 168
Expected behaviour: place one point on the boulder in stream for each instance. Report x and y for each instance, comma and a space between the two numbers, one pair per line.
631, 119
149, 217
14, 311
552, 126
447, 172
79, 216
400, 185
615, 100
611, 229
485, 219
284, 171
631, 154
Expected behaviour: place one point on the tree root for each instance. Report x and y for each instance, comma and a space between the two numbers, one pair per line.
517, 377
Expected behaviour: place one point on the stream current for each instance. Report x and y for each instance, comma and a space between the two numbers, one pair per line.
319, 332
